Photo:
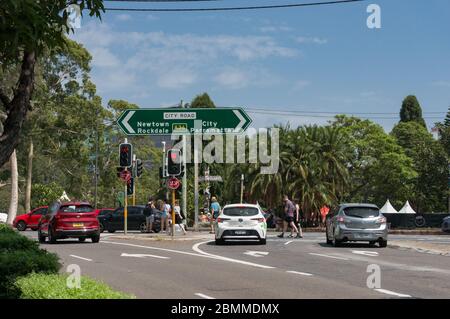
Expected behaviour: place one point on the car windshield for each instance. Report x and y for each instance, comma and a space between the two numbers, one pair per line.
76, 209
240, 211
362, 212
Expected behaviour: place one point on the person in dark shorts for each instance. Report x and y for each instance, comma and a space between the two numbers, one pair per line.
289, 211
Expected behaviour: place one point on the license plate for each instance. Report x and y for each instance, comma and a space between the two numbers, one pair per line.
78, 225
240, 232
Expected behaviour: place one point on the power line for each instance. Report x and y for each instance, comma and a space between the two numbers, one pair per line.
160, 0
276, 6
331, 115
325, 112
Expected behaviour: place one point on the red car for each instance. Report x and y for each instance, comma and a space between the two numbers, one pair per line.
30, 219
69, 220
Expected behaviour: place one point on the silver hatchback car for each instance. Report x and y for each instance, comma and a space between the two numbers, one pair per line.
356, 222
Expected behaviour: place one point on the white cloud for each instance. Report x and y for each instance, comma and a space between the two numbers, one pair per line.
176, 79
174, 61
123, 17
272, 28
314, 40
232, 78
103, 57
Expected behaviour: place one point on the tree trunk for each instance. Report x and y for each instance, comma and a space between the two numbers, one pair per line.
29, 178
17, 109
14, 200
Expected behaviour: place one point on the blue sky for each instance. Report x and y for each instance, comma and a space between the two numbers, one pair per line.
313, 59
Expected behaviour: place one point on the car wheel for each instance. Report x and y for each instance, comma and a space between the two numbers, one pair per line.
382, 243
262, 241
329, 241
219, 241
336, 242
111, 231
372, 243
143, 227
21, 226
41, 238
95, 238
100, 226
82, 239
51, 236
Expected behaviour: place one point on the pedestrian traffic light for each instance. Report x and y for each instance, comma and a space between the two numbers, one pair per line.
126, 155
139, 168
174, 162
130, 186
119, 170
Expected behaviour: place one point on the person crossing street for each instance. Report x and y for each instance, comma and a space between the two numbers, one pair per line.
289, 211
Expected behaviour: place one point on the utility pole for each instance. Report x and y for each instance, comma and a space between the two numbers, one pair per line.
242, 187
96, 165
125, 204
195, 188
184, 182
134, 168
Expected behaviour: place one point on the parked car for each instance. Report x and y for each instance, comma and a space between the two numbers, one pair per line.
101, 213
446, 224
241, 222
356, 222
136, 219
69, 220
30, 219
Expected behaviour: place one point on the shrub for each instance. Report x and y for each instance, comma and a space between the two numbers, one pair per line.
20, 256
5, 228
10, 241
54, 286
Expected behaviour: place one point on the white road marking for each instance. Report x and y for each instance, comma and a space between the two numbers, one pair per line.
288, 242
143, 256
328, 256
75, 256
299, 273
365, 253
195, 248
200, 254
204, 296
392, 293
256, 253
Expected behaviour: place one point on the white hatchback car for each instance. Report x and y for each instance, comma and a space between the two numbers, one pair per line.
241, 222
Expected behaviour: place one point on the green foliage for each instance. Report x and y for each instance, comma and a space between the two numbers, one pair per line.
36, 25
430, 161
54, 286
44, 194
202, 101
20, 256
378, 166
411, 111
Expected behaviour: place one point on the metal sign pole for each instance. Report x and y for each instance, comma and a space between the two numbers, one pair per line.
125, 209
173, 213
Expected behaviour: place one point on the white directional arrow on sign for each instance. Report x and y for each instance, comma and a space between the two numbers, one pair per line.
241, 119
143, 256
365, 253
256, 253
125, 122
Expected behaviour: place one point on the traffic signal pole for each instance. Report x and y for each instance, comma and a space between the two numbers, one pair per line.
134, 182
173, 213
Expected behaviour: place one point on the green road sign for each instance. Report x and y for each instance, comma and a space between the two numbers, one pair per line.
179, 121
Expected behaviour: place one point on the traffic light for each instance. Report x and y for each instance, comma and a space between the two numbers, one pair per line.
130, 186
139, 168
174, 162
126, 155
119, 170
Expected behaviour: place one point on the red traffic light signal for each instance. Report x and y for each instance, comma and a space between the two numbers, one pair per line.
174, 162
125, 155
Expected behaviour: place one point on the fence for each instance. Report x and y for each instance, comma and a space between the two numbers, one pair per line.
412, 221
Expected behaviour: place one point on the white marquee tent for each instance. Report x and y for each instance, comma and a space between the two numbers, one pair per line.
407, 209
388, 208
